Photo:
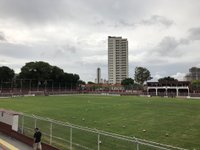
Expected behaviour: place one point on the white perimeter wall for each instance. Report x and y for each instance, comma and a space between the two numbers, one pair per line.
9, 119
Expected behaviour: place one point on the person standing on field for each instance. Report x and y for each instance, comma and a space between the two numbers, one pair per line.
37, 139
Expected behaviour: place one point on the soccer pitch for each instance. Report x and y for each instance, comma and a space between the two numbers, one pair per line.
165, 120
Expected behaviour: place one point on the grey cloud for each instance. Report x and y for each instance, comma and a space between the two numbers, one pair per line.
184, 41
194, 34
64, 51
99, 22
34, 11
3, 61
154, 61
168, 46
124, 23
118, 13
65, 11
15, 50
69, 48
2, 36
114, 9
155, 19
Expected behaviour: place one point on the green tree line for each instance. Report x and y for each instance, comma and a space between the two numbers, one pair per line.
36, 74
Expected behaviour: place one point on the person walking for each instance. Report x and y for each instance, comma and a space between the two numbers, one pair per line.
37, 139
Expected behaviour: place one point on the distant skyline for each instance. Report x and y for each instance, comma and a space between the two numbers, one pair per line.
163, 35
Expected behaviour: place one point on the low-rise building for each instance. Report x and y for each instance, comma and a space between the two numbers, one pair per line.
168, 88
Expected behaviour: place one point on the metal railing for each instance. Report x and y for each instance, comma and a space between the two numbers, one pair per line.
64, 135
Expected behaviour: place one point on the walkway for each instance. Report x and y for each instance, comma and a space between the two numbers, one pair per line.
12, 144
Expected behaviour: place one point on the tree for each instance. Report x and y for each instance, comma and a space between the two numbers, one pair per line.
81, 82
128, 83
167, 79
56, 74
142, 74
75, 78
34, 74
90, 82
43, 74
71, 79
6, 74
36, 70
195, 84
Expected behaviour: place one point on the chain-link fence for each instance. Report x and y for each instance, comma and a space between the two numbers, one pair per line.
66, 136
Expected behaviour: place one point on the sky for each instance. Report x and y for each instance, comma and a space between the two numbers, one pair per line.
163, 35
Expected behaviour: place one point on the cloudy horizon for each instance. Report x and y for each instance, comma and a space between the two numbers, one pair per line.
163, 36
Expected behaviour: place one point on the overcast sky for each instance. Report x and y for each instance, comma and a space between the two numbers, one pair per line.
163, 35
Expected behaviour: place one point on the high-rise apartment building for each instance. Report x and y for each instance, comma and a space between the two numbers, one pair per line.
117, 59
194, 74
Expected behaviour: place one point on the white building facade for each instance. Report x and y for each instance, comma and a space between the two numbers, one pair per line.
117, 59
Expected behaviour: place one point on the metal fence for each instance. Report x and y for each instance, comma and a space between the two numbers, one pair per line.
67, 136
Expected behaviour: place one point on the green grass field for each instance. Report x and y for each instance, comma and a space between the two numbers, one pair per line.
179, 118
